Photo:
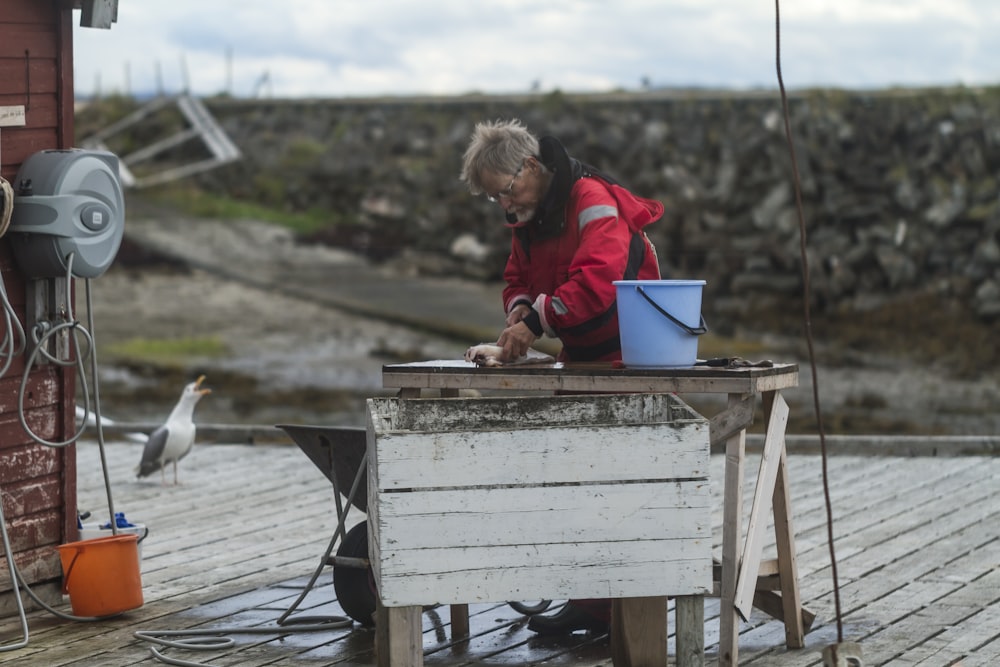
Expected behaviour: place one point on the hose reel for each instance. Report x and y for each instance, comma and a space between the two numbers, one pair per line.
67, 202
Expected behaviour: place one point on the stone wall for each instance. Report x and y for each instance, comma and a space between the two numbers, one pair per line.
899, 188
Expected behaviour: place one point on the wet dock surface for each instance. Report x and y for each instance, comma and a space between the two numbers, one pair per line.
233, 547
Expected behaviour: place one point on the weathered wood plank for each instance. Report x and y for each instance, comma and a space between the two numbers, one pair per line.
41, 73
871, 501
492, 413
42, 390
736, 417
38, 39
34, 564
591, 378
39, 529
22, 142
908, 532
560, 572
37, 13
34, 495
550, 515
885, 587
408, 460
26, 462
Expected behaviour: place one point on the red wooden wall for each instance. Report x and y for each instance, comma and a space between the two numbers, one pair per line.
38, 483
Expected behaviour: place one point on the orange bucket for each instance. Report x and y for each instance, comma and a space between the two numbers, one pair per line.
101, 575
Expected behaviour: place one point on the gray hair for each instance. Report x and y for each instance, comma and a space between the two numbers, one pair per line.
499, 146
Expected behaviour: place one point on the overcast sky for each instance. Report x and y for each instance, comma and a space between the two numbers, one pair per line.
325, 48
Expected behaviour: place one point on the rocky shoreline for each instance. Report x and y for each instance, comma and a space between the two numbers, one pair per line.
898, 186
272, 357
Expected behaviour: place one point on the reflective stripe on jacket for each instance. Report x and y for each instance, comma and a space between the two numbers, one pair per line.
568, 277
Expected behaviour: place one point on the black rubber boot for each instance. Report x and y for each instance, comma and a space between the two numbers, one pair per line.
567, 620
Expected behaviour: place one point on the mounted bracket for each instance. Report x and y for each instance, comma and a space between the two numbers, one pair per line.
45, 308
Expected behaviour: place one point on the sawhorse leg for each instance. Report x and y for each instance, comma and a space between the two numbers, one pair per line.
788, 569
741, 560
774, 474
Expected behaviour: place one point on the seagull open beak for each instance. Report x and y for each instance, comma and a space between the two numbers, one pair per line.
197, 384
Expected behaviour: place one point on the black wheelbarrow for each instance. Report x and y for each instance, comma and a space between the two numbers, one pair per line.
339, 453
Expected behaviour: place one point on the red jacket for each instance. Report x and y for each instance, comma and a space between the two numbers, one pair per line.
568, 277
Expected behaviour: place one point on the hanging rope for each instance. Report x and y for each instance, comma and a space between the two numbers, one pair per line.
806, 320
6, 205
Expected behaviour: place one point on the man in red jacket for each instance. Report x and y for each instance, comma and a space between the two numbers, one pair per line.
574, 232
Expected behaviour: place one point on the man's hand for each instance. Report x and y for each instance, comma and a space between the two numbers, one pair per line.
517, 313
515, 341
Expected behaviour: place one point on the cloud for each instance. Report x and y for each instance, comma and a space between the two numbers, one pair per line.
322, 48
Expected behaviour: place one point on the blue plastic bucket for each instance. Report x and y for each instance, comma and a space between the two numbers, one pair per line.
659, 322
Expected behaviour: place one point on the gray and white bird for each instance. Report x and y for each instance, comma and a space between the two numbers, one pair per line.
173, 440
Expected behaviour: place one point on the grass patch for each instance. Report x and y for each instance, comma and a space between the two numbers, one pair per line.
168, 351
200, 204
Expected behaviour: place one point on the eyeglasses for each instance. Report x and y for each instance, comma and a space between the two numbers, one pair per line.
509, 190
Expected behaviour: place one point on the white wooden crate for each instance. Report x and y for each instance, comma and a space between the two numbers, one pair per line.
543, 497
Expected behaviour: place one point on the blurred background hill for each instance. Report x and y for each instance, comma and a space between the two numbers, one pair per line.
900, 194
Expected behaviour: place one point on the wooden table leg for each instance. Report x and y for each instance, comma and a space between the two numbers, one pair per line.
639, 632
399, 639
459, 621
689, 612
732, 518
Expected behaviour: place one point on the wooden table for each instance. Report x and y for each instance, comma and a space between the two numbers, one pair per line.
745, 580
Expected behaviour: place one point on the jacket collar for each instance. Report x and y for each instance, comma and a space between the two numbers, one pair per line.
550, 216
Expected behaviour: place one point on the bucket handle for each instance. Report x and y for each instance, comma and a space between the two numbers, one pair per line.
69, 570
694, 331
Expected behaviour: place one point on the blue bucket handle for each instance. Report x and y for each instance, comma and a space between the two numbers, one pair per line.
694, 331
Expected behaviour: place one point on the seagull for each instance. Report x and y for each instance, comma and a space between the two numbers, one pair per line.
172, 441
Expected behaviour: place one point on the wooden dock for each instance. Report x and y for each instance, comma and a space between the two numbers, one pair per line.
917, 544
